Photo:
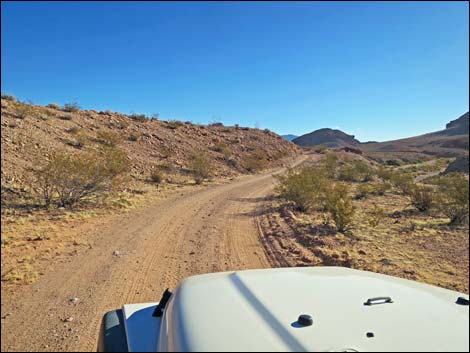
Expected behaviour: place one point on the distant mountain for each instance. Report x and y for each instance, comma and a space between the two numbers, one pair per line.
289, 137
327, 137
450, 142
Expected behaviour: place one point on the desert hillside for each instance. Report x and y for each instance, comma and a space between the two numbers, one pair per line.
450, 142
31, 134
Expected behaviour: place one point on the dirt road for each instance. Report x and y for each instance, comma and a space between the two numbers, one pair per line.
213, 229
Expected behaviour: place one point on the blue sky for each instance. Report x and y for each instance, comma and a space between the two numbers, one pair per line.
376, 70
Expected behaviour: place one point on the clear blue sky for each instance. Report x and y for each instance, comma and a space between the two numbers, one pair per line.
377, 70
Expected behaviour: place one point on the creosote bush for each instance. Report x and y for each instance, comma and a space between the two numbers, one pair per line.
255, 161
454, 198
200, 166
156, 175
9, 97
71, 107
339, 205
108, 138
67, 179
422, 197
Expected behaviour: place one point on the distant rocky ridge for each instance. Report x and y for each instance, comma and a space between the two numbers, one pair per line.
327, 137
450, 142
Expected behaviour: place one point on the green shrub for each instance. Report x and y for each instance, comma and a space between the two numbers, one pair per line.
422, 197
70, 179
357, 171
9, 97
200, 166
363, 190
454, 198
304, 187
71, 107
339, 205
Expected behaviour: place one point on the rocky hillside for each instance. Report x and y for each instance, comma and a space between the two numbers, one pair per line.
327, 137
450, 142
31, 134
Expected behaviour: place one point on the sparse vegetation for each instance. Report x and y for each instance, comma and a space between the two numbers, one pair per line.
65, 117
133, 136
71, 107
9, 97
22, 111
422, 197
53, 106
200, 166
69, 179
108, 137
255, 161
454, 198
174, 124
156, 175
142, 118
339, 205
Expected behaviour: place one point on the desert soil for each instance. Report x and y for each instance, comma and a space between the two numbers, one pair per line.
133, 259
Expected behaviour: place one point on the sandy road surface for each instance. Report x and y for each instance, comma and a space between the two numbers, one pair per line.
202, 231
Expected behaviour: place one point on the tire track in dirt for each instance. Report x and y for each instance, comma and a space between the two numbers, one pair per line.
205, 230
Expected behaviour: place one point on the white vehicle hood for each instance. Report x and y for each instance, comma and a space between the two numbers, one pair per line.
257, 310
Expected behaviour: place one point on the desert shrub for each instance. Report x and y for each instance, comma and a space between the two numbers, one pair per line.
363, 190
380, 188
393, 162
156, 175
339, 205
320, 149
65, 117
255, 161
9, 97
71, 107
200, 166
357, 171
134, 136
384, 173
73, 130
422, 197
44, 116
330, 164
69, 179
122, 124
138, 117
454, 198
402, 181
376, 216
108, 138
304, 187
174, 124
22, 110
53, 106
